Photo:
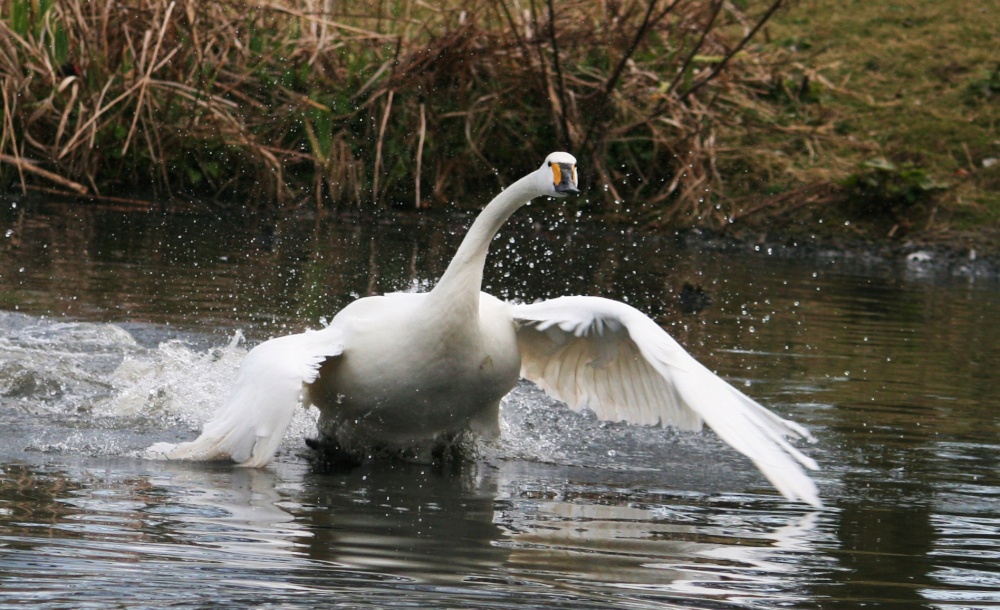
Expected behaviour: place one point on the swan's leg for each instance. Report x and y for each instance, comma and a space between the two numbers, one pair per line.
327, 454
486, 424
449, 449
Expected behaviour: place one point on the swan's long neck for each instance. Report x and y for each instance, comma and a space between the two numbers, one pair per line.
462, 280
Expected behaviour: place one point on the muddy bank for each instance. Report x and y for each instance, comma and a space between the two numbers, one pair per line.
913, 259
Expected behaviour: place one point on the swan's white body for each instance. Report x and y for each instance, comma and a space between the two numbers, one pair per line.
409, 370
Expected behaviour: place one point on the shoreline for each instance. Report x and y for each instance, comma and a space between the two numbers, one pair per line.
931, 260
926, 256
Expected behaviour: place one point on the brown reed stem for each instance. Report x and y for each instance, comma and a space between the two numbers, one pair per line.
719, 67
420, 156
23, 164
378, 147
560, 83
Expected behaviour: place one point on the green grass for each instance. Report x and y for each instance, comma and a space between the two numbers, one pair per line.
915, 82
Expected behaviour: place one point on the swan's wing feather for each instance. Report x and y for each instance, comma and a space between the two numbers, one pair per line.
581, 350
249, 426
604, 355
586, 364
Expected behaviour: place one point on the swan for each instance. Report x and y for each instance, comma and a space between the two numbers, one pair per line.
408, 370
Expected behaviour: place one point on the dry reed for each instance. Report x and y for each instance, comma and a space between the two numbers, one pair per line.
283, 102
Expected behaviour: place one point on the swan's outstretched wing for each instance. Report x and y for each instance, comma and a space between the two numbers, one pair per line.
604, 355
250, 425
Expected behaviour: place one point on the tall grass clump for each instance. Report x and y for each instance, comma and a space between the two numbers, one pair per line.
380, 102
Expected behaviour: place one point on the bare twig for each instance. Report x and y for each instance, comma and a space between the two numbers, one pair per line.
144, 82
420, 156
686, 64
8, 127
719, 67
378, 148
648, 21
23, 164
560, 83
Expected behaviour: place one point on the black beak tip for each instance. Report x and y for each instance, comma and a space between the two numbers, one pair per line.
567, 189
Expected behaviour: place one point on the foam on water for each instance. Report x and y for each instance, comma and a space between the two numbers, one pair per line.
182, 387
57, 367
92, 389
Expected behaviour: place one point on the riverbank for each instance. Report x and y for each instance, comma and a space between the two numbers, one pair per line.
852, 121
907, 97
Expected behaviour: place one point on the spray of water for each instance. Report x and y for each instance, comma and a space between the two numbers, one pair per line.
92, 389
180, 388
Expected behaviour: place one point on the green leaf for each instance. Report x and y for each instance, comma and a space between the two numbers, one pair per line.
60, 45
20, 13
193, 175
881, 163
44, 6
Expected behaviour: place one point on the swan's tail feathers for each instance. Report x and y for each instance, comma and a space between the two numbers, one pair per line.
606, 356
249, 427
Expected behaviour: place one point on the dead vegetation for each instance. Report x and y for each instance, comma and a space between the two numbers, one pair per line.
282, 103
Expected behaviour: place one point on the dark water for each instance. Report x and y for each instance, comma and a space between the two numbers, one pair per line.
117, 330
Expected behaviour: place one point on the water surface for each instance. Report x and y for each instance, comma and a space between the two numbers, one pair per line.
121, 329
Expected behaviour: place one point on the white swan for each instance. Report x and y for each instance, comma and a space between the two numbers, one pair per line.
409, 370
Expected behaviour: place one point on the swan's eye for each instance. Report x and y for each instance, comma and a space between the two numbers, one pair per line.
550, 163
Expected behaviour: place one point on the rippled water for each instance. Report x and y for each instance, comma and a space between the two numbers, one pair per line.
122, 329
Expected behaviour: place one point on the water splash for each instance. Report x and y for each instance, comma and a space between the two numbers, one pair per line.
181, 388
536, 428
91, 389
57, 367
173, 380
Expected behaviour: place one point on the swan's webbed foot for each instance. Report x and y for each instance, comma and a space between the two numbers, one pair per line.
327, 455
448, 450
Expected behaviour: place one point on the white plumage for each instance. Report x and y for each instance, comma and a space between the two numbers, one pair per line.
410, 371
249, 426
604, 355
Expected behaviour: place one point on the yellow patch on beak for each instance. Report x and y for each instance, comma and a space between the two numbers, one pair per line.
556, 174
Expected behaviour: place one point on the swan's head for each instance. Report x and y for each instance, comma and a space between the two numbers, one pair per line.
559, 174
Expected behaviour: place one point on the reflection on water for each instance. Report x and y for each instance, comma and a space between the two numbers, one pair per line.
117, 330
117, 530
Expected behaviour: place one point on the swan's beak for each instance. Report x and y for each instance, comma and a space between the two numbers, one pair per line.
564, 179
